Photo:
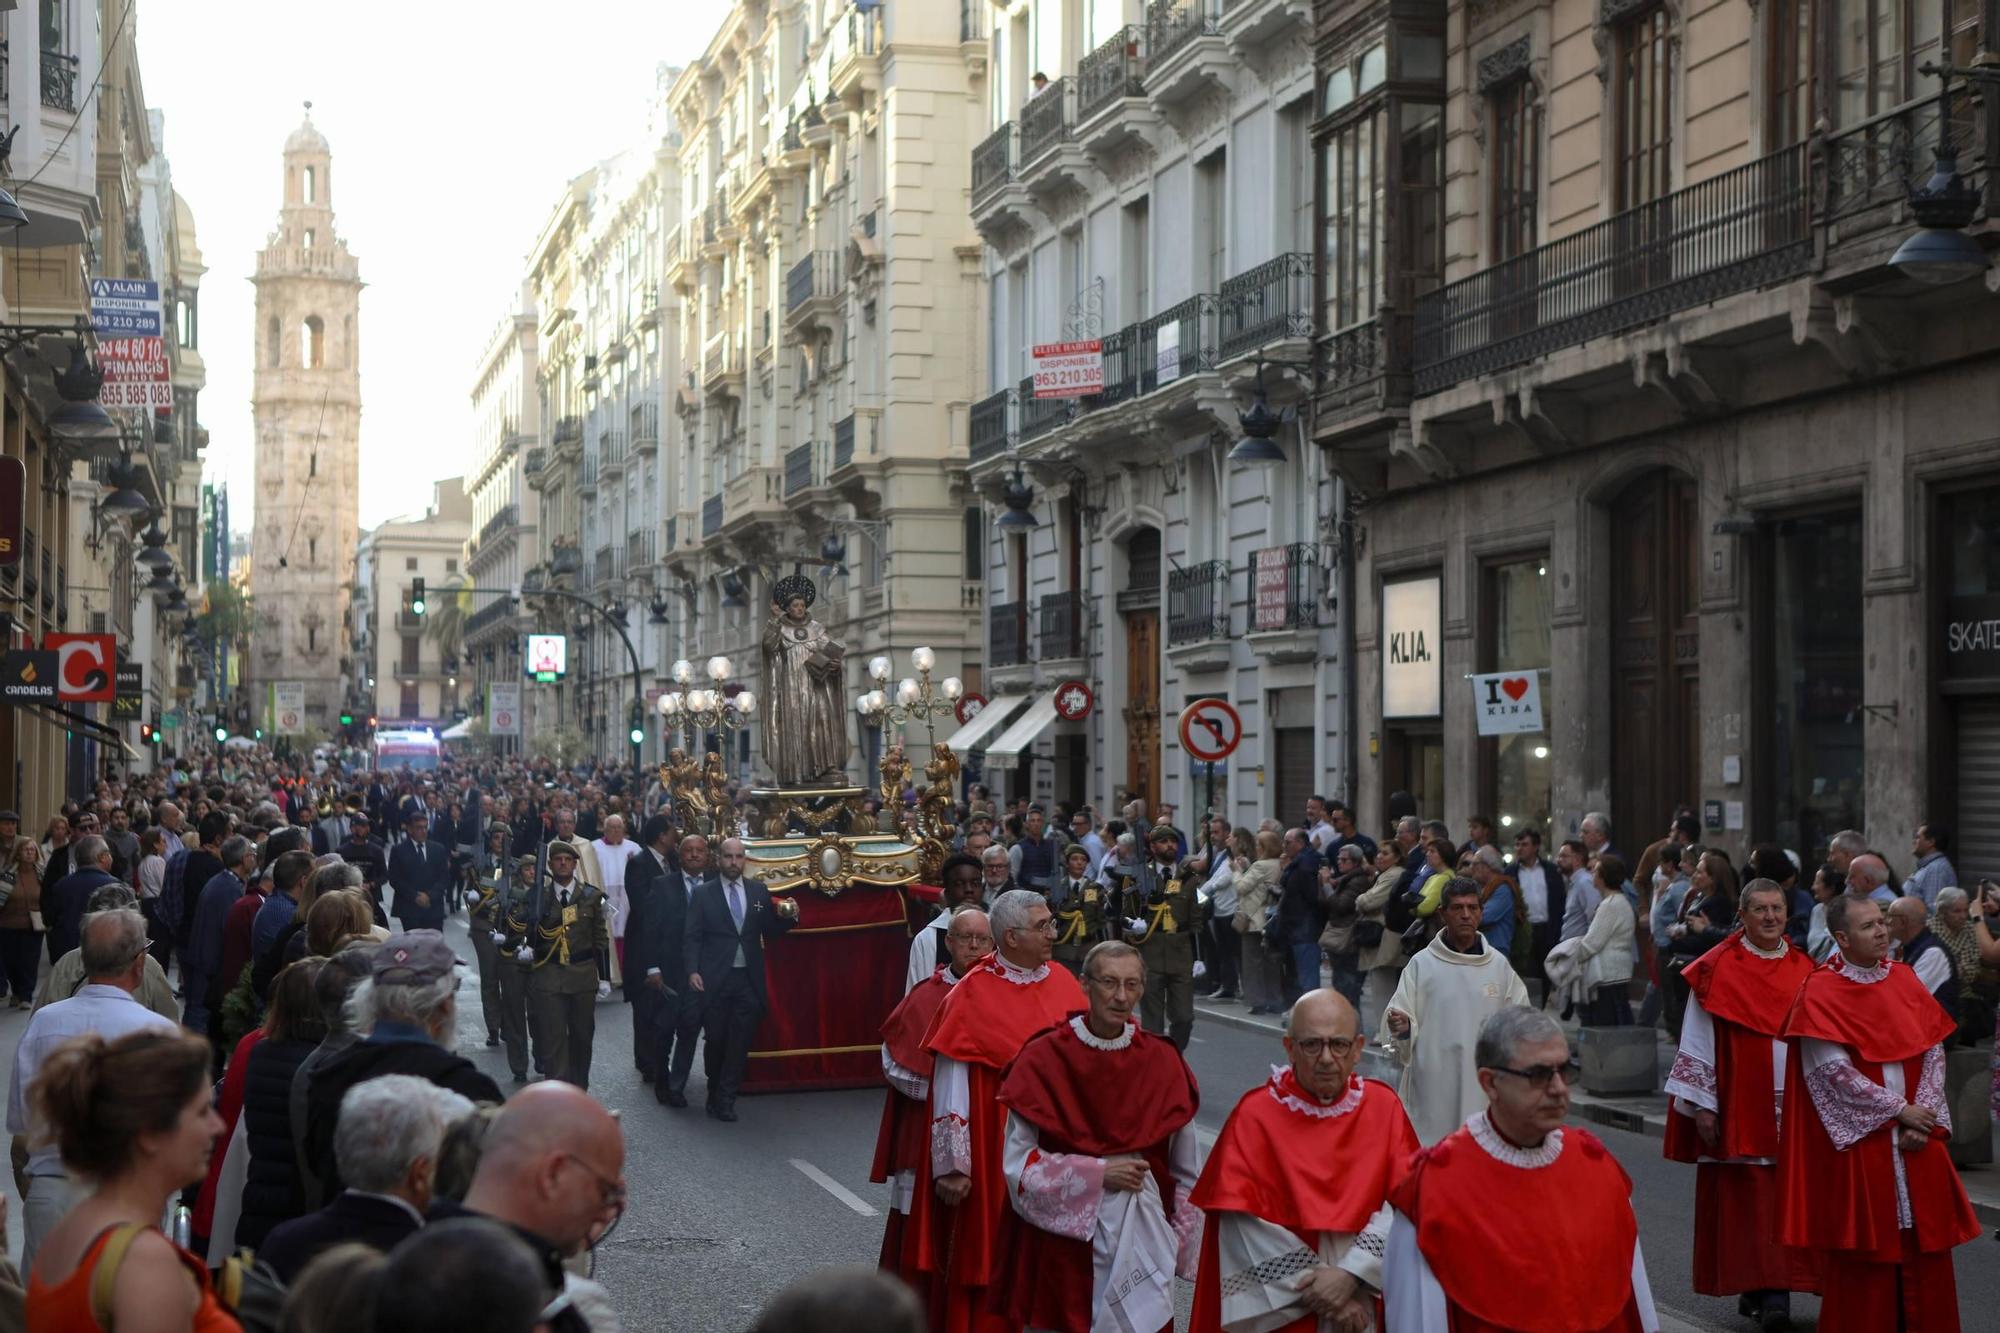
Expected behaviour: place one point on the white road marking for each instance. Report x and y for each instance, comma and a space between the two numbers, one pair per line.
834, 1187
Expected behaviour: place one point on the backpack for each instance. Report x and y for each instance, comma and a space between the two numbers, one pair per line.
250, 1289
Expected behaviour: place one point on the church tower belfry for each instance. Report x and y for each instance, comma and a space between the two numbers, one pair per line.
307, 406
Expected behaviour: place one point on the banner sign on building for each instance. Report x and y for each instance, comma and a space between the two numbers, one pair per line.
136, 373
1167, 352
1972, 636
28, 676
1411, 683
1505, 702
126, 308
1271, 588
548, 657
503, 710
1069, 370
130, 703
288, 707
86, 667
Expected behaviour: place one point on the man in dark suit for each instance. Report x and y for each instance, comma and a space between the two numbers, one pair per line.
728, 920
420, 873
1300, 917
63, 904
675, 1054
650, 983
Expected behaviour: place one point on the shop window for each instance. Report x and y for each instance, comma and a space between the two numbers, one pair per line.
1812, 775
1516, 607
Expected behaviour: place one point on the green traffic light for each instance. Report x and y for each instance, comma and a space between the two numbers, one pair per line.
347, 719
638, 736
417, 605
222, 733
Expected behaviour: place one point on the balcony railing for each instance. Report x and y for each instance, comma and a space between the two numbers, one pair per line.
59, 81
567, 428
1062, 624
1734, 232
711, 515
639, 547
494, 612
1172, 24
1038, 416
505, 517
816, 275
992, 428
1354, 356
586, 474
992, 163
843, 442
645, 427
1197, 603
1270, 303
1110, 73
1046, 119
1008, 622
611, 448
1880, 160
798, 470
1284, 586
532, 462
1194, 328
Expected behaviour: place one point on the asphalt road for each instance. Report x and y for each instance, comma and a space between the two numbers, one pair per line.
722, 1216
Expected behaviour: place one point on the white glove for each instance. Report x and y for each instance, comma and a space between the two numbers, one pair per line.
498, 938
525, 954
1200, 969
1134, 924
603, 990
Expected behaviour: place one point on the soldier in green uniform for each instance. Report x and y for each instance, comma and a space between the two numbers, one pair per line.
565, 940
1078, 903
507, 902
483, 926
1158, 905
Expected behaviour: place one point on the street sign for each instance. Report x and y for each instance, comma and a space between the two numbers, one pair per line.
288, 707
136, 373
968, 707
1069, 370
13, 498
130, 702
503, 709
548, 657
126, 308
1211, 729
170, 721
1073, 701
1506, 702
28, 676
86, 667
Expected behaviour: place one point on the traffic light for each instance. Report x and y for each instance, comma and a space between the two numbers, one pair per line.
347, 719
145, 733
638, 736
221, 735
416, 597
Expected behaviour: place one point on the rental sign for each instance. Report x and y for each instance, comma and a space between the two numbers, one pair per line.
1069, 370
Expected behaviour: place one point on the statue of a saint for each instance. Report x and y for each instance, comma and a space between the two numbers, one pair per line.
805, 723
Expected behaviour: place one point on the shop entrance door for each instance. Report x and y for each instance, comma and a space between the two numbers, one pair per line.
1656, 651
1142, 707
1977, 734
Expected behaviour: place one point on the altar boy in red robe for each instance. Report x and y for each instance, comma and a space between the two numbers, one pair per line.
1099, 1159
1724, 1084
903, 1148
1865, 1173
981, 1026
1294, 1197
1483, 1209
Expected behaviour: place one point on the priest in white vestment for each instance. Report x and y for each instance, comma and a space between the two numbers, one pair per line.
1447, 991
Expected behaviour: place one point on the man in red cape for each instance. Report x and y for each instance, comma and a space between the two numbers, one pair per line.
1294, 1197
1482, 1210
1725, 1085
903, 1148
979, 1029
1865, 1173
1099, 1158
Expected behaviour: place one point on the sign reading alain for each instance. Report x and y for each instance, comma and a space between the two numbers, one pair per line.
1412, 683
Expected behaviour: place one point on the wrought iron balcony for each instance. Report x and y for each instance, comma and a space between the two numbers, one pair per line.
711, 515
1008, 624
59, 81
505, 517
798, 470
814, 277
645, 428
1172, 24
1271, 303
1731, 233
1110, 73
1046, 119
532, 462
1062, 624
1039, 416
639, 548
611, 448
493, 613
843, 442
1194, 324
586, 474
992, 163
1284, 588
1197, 603
990, 426
567, 429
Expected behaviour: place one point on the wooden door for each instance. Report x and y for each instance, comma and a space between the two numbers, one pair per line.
1142, 706
1656, 652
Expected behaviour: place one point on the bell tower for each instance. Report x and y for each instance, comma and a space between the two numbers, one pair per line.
307, 406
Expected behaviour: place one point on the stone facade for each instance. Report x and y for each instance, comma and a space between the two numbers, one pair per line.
506, 510
411, 678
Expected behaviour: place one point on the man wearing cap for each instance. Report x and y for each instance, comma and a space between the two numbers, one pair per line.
1157, 907
561, 933
482, 927
420, 874
408, 1005
364, 849
512, 974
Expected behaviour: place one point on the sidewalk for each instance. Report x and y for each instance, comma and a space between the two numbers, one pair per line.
1636, 1114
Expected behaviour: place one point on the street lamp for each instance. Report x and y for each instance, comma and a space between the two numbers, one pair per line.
1019, 497
1941, 253
913, 698
1260, 428
698, 710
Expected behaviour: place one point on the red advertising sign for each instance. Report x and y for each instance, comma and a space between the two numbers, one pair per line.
136, 373
968, 708
1073, 701
86, 667
1269, 588
1069, 370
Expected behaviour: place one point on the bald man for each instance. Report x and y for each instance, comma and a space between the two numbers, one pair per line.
1296, 1188
1924, 953
553, 1169
1868, 876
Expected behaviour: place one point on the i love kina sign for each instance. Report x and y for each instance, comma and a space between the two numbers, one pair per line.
1505, 702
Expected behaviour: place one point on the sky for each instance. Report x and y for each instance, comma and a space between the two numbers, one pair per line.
454, 127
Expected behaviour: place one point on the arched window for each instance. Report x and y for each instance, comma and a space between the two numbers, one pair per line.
312, 343
272, 354
309, 238
347, 342
312, 185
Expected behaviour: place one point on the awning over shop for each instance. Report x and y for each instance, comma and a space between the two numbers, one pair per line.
457, 731
89, 726
1034, 720
991, 718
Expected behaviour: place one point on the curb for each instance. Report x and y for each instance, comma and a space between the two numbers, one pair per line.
1239, 1019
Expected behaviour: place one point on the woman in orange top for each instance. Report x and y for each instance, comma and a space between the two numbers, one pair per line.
136, 1117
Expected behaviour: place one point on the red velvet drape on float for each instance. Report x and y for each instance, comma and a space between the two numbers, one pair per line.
833, 979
